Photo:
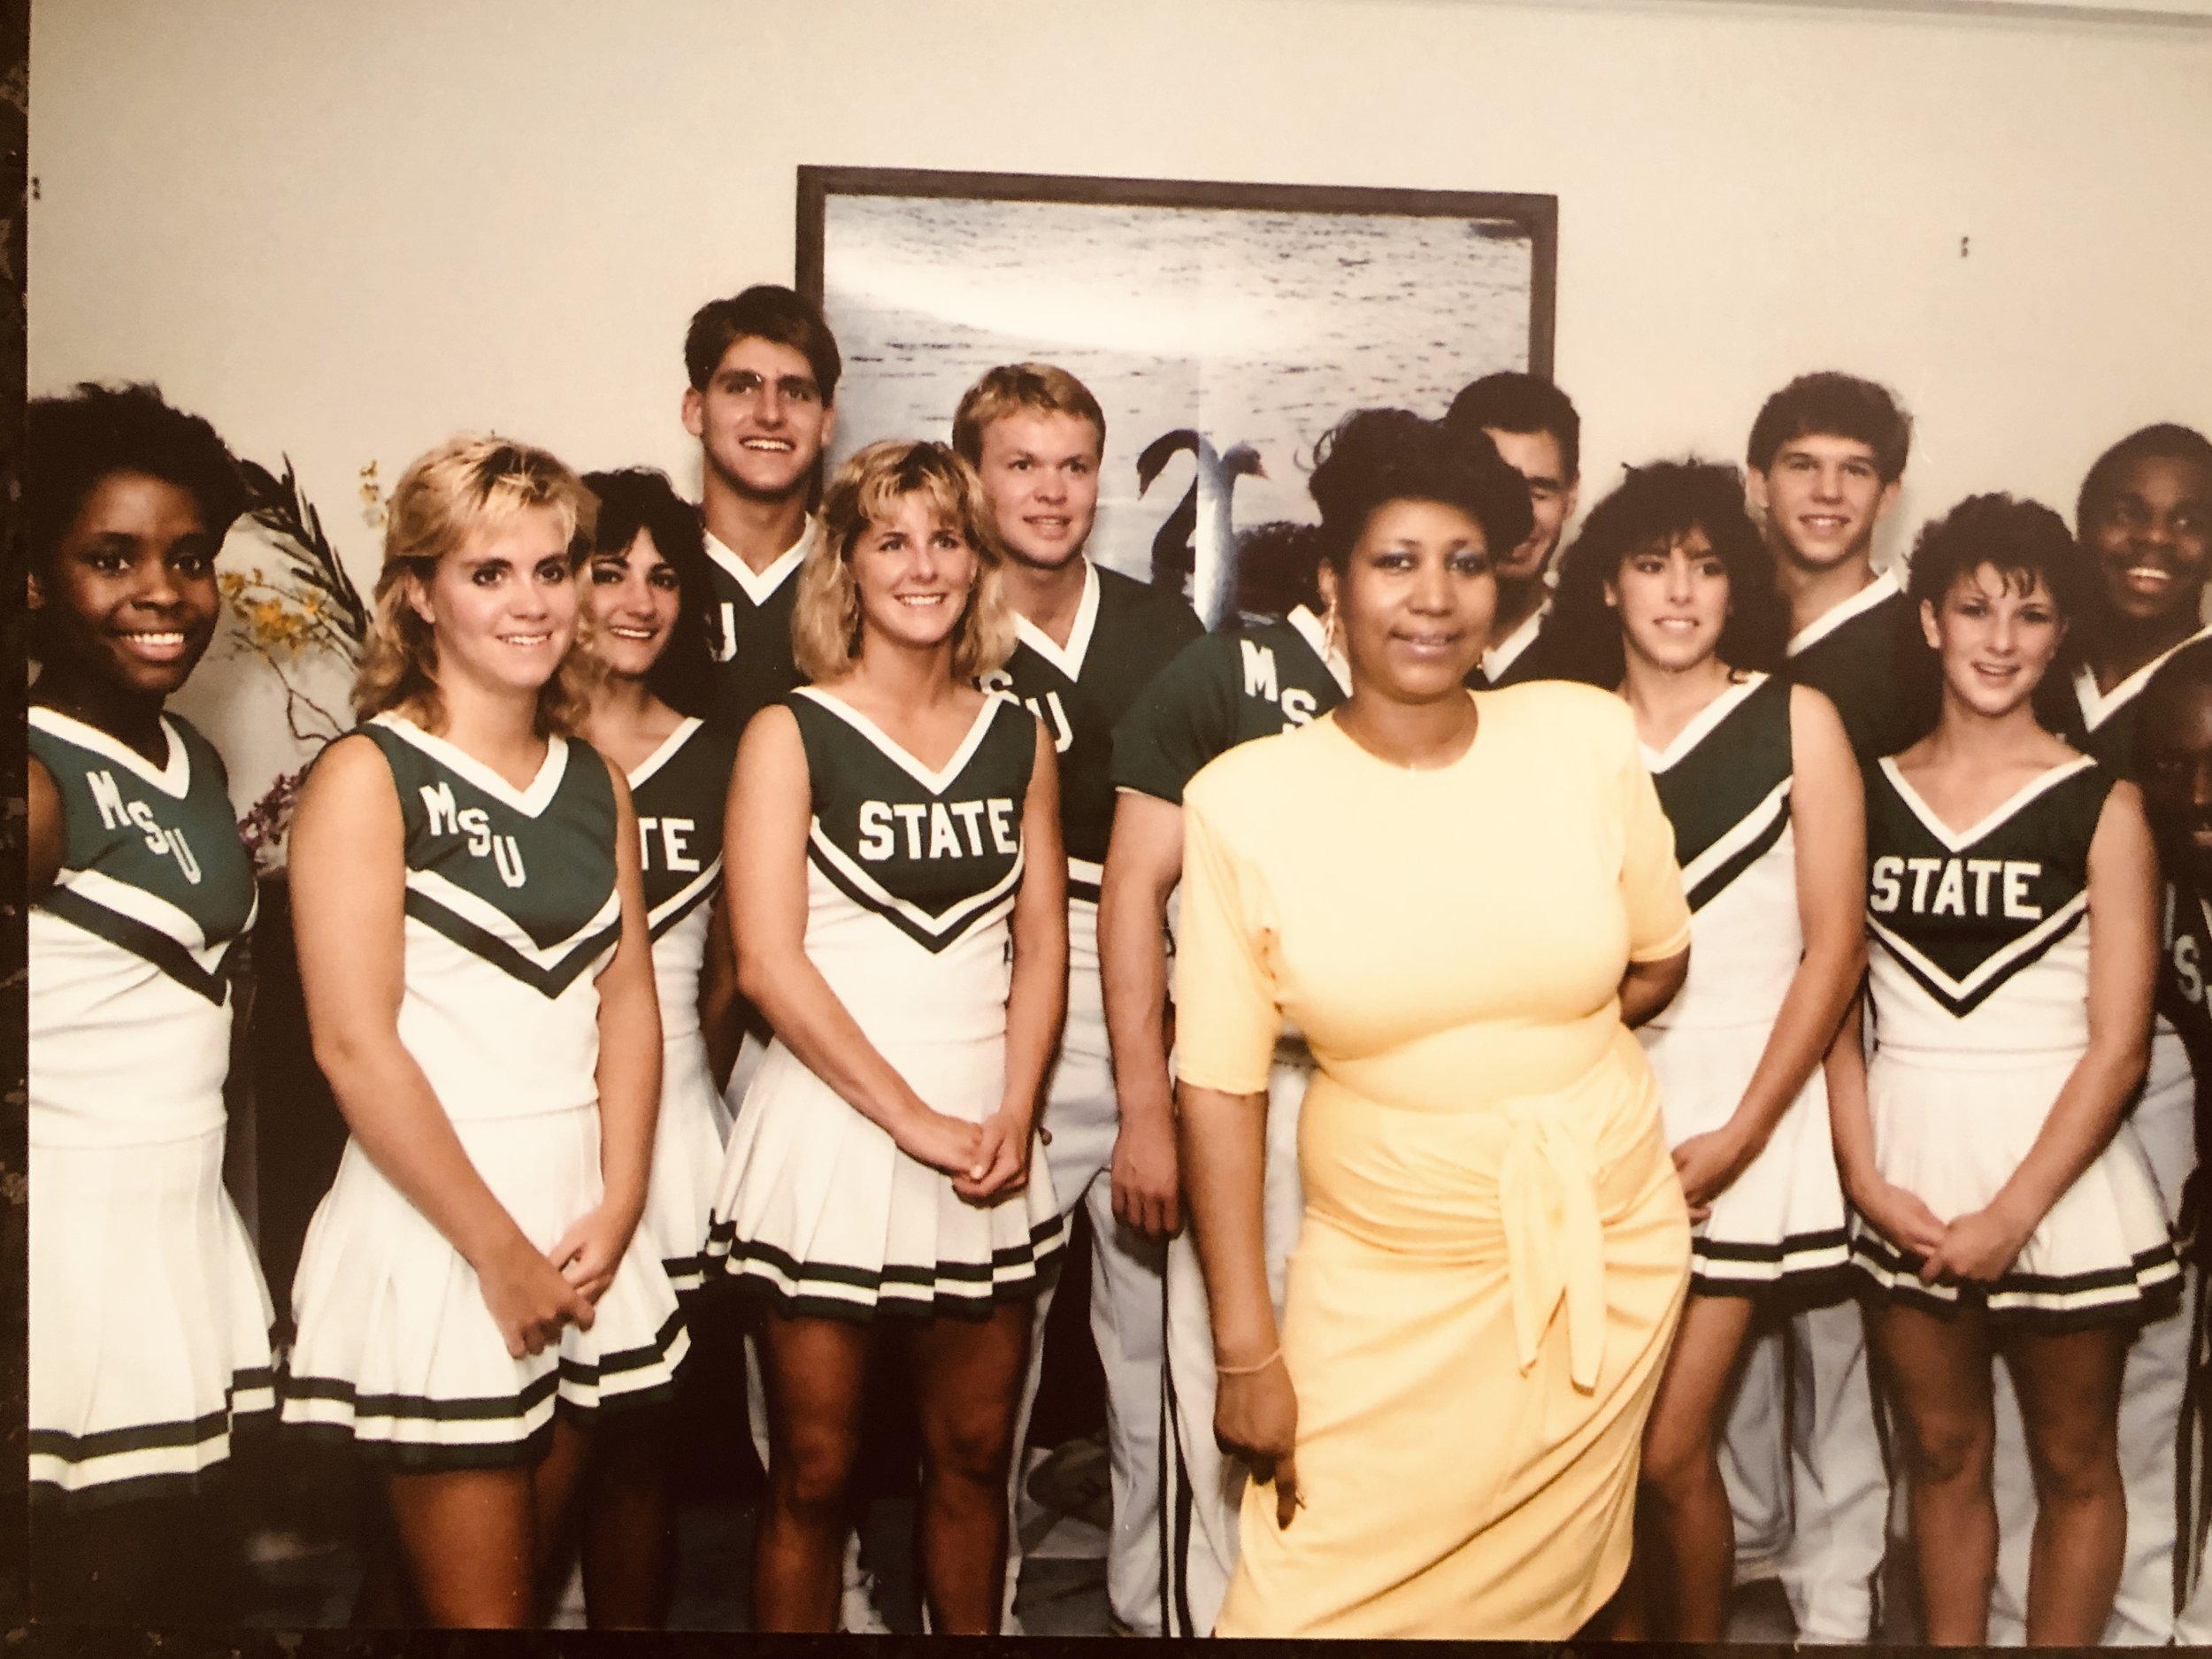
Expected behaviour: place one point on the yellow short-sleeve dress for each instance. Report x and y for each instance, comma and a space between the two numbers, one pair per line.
1495, 1245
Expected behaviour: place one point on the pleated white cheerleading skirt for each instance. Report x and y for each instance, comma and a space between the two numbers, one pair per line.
1954, 1132
1779, 1224
397, 1348
148, 1330
687, 1143
819, 1210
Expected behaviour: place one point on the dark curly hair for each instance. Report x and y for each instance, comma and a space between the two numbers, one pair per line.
2023, 541
2168, 440
1376, 455
71, 443
634, 498
1655, 506
1276, 563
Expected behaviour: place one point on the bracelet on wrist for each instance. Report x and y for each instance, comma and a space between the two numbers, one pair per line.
1274, 1354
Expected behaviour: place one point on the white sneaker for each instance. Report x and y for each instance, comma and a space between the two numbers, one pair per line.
857, 1613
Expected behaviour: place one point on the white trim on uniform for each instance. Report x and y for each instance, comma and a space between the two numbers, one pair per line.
676, 901
1820, 627
1499, 657
1309, 629
1700, 726
2098, 706
1069, 659
1958, 990
1959, 841
996, 899
661, 756
149, 908
459, 902
761, 586
529, 801
1739, 835
173, 779
936, 782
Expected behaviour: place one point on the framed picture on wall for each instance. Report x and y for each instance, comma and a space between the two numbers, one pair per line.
1223, 327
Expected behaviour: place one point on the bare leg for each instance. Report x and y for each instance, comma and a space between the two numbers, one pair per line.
1685, 1529
816, 1372
971, 1375
2070, 1404
629, 1523
1938, 1368
468, 1536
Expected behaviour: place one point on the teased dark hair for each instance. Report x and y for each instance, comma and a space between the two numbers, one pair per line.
637, 498
1512, 401
1654, 506
1833, 405
1376, 455
2022, 540
765, 312
1276, 563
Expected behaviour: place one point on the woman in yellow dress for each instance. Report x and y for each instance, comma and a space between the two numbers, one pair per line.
1464, 901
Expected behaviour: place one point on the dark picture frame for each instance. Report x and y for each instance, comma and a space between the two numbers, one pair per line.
1224, 326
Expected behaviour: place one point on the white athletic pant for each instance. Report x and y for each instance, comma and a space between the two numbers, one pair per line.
1126, 1319
2163, 1123
1801, 1458
1202, 1487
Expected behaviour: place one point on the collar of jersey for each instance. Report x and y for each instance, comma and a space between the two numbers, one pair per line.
759, 587
1959, 841
1820, 627
529, 801
173, 779
1309, 628
1701, 724
1506, 652
2098, 706
661, 756
1069, 659
935, 782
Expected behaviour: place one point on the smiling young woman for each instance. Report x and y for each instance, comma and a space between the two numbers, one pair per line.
2011, 903
149, 1326
474, 951
1463, 901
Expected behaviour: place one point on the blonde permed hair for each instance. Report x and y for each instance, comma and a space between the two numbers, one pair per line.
471, 483
826, 611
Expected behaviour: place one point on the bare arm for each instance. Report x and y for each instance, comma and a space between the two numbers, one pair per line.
1037, 997
1828, 823
1649, 987
628, 1077
2123, 976
1144, 861
764, 841
348, 879
47, 838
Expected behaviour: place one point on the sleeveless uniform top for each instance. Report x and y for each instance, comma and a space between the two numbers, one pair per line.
1220, 690
678, 792
748, 631
1124, 633
912, 873
130, 949
1725, 783
2101, 724
511, 912
1868, 657
1977, 943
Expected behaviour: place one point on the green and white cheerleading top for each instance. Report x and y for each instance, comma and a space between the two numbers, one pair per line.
678, 792
130, 951
912, 873
511, 912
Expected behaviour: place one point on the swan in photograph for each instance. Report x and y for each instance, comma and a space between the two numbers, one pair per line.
1195, 550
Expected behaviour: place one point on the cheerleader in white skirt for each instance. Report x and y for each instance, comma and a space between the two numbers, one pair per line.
895, 898
473, 948
148, 1327
1669, 594
2011, 900
646, 595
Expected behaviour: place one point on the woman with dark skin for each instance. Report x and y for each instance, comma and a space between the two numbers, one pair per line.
148, 1324
1464, 901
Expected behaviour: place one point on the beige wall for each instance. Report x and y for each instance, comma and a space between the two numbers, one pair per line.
345, 230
